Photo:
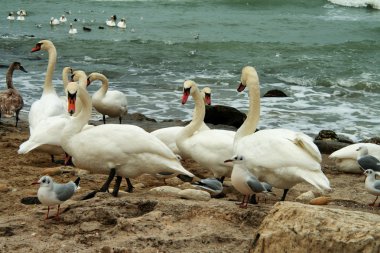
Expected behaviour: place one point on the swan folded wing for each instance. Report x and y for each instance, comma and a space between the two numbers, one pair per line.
48, 106
273, 152
209, 151
351, 151
10, 102
48, 131
307, 144
142, 140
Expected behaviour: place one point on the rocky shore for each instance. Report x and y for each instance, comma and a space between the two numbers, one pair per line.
154, 221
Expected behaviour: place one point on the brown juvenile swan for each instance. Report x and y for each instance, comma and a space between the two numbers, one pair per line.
10, 99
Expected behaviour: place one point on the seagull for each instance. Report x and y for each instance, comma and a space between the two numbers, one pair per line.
367, 161
211, 185
51, 193
245, 182
72, 29
372, 185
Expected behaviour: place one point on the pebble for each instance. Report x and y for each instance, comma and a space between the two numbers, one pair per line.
52, 171
306, 197
320, 201
194, 194
4, 188
90, 226
168, 190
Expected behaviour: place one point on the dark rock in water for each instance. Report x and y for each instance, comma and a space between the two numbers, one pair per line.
275, 93
101, 27
87, 29
326, 134
225, 115
139, 117
374, 140
30, 201
329, 146
328, 141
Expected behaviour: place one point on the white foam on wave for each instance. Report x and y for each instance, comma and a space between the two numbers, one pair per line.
357, 3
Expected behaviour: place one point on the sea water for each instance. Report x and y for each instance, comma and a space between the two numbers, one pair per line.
325, 55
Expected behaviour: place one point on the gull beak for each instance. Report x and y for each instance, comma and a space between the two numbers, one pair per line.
36, 182
228, 161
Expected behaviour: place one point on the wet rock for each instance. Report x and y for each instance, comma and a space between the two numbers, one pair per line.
275, 93
374, 140
296, 227
167, 190
328, 141
194, 194
225, 115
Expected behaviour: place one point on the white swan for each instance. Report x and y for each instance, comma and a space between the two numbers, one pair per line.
346, 158
168, 135
126, 150
11, 101
11, 16
72, 30
122, 23
112, 103
47, 136
20, 18
208, 147
63, 19
49, 104
54, 21
281, 157
112, 21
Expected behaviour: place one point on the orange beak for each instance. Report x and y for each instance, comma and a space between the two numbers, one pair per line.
241, 87
207, 99
185, 96
71, 103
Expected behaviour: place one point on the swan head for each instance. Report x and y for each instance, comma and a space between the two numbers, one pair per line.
80, 76
189, 87
18, 65
236, 159
246, 74
206, 92
72, 90
363, 150
42, 45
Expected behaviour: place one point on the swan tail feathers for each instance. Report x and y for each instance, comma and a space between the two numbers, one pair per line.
27, 146
317, 179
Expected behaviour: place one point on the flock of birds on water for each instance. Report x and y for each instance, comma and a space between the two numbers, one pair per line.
111, 21
254, 161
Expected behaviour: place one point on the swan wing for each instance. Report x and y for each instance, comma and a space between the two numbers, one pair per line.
48, 131
351, 152
272, 151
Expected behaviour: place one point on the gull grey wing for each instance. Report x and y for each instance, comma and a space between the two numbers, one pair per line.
255, 185
369, 162
376, 185
64, 191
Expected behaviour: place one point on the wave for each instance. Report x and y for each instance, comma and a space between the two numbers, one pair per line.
372, 4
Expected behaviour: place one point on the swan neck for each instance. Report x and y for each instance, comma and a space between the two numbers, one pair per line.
78, 121
198, 115
48, 85
9, 76
65, 78
253, 116
105, 84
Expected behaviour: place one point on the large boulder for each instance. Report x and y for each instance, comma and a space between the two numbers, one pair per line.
295, 227
225, 115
